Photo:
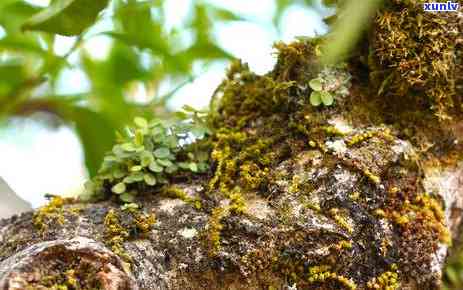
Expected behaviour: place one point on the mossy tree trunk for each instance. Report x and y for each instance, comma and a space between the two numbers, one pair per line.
366, 193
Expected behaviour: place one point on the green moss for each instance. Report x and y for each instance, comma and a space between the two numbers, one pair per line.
121, 226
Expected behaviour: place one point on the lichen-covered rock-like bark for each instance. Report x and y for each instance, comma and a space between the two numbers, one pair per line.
363, 194
321, 210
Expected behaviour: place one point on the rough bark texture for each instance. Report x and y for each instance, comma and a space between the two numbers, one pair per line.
363, 195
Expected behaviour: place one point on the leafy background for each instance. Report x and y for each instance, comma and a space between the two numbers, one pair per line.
74, 72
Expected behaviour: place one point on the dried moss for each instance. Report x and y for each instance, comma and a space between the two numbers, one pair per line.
416, 57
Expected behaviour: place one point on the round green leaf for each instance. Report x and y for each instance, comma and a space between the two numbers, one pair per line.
162, 152
171, 169
118, 173
316, 84
136, 168
315, 99
133, 177
129, 147
193, 167
164, 162
155, 167
127, 197
184, 165
327, 98
146, 158
149, 179
141, 122
118, 188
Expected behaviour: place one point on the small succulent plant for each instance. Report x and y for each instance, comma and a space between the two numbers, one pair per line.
148, 154
330, 84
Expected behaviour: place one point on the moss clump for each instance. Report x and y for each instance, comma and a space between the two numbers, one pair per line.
52, 212
214, 229
116, 234
416, 57
121, 226
364, 136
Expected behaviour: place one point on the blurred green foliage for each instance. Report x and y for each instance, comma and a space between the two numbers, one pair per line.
144, 53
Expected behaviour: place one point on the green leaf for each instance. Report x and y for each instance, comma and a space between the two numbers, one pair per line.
66, 17
141, 122
129, 147
155, 167
146, 158
96, 134
118, 188
136, 168
316, 84
118, 173
134, 177
127, 197
327, 98
149, 179
348, 29
315, 98
171, 169
193, 167
162, 152
184, 165
225, 15
164, 162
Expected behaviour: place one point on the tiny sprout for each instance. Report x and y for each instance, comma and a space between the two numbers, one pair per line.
316, 84
315, 98
318, 98
330, 84
127, 197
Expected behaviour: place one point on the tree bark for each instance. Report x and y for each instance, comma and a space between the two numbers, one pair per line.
355, 201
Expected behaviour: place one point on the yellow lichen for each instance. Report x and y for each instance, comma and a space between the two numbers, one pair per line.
341, 219
388, 280
116, 234
51, 212
322, 274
